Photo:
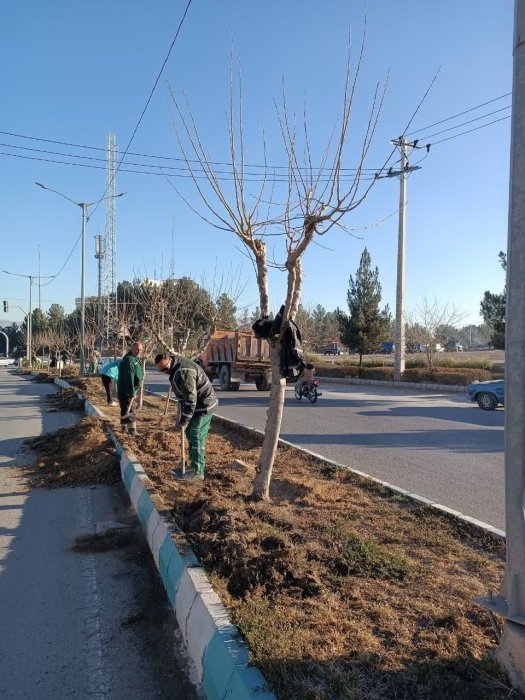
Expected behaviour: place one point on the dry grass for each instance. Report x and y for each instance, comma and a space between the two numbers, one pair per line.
342, 590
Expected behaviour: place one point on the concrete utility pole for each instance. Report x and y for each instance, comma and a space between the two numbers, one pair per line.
511, 601
399, 353
84, 206
29, 322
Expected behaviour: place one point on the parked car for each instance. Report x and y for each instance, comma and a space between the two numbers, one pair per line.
487, 394
453, 347
333, 349
416, 347
387, 348
7, 362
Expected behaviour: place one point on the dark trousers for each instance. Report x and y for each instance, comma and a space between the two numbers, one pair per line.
108, 386
124, 403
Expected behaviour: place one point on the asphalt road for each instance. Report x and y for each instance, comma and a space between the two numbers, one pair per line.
439, 446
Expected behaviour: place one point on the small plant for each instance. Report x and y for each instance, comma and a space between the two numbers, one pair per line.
364, 557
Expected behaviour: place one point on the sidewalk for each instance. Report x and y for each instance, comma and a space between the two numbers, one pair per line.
91, 624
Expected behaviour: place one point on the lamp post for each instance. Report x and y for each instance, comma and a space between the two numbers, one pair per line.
29, 330
84, 206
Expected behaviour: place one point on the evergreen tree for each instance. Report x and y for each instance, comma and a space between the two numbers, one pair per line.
56, 317
366, 326
226, 309
492, 309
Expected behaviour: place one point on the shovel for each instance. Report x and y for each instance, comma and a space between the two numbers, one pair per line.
181, 474
167, 401
129, 413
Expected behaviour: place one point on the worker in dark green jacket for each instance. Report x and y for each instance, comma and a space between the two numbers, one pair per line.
130, 378
194, 392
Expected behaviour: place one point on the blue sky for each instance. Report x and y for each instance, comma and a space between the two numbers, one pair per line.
73, 72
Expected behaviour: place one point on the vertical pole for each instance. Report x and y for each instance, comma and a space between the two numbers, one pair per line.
39, 282
83, 290
30, 325
511, 652
399, 356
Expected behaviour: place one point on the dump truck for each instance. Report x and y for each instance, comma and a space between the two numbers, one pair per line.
236, 356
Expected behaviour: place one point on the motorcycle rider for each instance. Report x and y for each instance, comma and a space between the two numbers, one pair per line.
306, 377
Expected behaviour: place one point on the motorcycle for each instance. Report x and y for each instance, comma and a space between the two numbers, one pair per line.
310, 390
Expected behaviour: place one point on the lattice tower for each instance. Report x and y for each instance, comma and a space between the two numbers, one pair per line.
110, 243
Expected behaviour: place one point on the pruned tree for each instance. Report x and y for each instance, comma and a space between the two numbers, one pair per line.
314, 200
426, 323
366, 326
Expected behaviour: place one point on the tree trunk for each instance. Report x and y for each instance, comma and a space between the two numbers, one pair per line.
272, 430
185, 340
261, 484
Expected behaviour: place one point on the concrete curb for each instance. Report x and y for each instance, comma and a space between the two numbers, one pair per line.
421, 386
212, 641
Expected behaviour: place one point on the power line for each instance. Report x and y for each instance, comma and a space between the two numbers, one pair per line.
448, 138
469, 121
148, 100
158, 157
282, 178
164, 167
459, 114
46, 284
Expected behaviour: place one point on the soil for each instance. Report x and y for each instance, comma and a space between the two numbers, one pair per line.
81, 454
342, 589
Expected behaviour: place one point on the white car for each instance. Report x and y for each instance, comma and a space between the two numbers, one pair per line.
7, 362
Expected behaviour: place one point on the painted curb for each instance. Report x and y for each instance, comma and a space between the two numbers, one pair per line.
213, 643
421, 386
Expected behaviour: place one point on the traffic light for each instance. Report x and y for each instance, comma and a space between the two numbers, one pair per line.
6, 307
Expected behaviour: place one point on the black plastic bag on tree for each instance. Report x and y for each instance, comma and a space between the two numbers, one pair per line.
263, 327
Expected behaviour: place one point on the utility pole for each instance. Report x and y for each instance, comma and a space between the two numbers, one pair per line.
29, 323
511, 601
39, 285
84, 206
399, 353
99, 255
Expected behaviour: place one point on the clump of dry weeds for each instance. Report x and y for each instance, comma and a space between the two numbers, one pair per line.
81, 454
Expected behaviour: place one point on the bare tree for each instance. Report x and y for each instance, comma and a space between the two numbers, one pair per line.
426, 323
316, 199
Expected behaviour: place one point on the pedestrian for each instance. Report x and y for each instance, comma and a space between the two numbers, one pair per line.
109, 375
130, 377
197, 399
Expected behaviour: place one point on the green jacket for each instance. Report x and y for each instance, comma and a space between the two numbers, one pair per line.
130, 375
192, 389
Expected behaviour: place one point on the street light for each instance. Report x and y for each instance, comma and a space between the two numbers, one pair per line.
84, 206
29, 329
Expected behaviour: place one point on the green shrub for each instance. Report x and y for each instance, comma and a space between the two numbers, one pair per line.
440, 375
382, 373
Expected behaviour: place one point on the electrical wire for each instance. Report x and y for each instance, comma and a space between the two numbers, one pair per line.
46, 284
459, 114
283, 178
164, 167
157, 157
448, 138
469, 121
146, 105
